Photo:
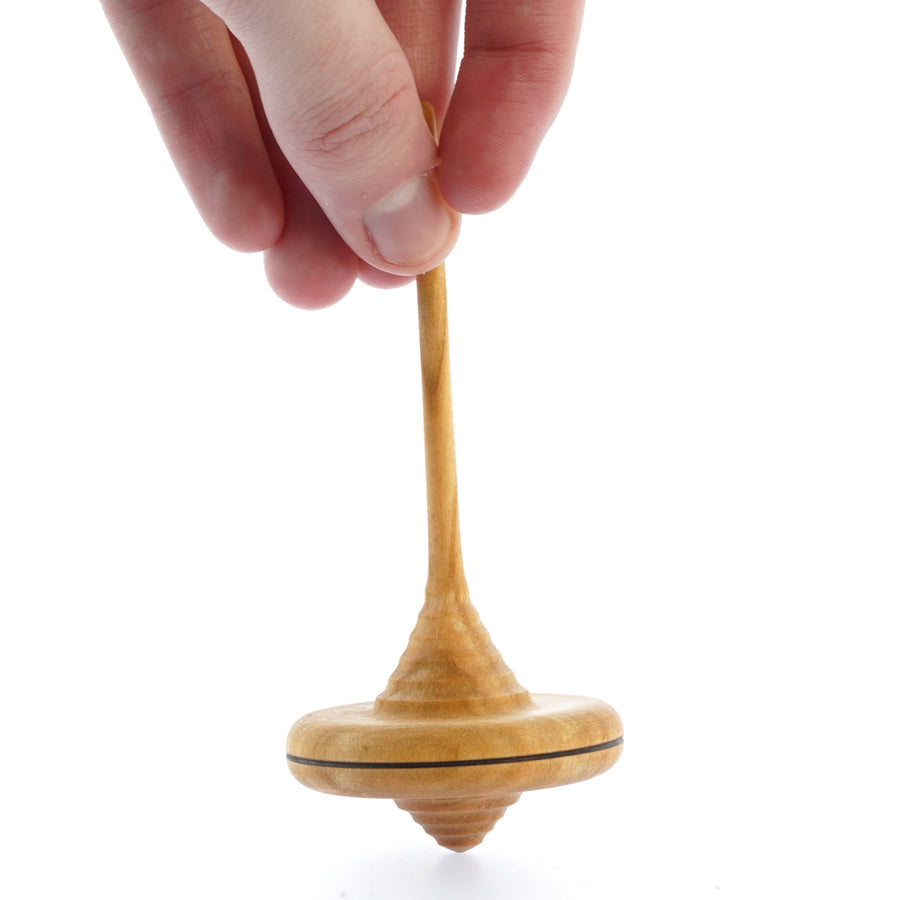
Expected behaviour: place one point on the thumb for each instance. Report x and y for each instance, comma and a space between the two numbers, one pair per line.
342, 103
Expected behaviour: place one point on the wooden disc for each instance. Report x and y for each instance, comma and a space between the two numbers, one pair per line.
354, 751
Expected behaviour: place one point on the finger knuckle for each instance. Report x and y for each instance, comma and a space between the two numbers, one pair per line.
357, 116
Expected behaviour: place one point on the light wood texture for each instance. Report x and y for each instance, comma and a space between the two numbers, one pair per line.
450, 663
454, 738
459, 824
356, 751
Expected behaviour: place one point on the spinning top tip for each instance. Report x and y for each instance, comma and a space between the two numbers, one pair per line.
459, 824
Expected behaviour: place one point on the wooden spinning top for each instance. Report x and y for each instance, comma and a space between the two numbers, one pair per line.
454, 738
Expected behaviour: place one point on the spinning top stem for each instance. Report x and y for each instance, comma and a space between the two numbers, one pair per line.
445, 565
450, 663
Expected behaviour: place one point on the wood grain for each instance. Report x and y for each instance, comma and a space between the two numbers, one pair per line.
461, 823
450, 663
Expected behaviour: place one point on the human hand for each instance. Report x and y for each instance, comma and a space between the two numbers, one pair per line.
297, 128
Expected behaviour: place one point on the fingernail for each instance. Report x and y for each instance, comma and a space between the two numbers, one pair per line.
412, 224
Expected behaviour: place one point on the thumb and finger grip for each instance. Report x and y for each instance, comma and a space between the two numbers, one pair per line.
342, 102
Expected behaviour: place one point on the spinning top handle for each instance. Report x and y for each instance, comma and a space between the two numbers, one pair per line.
445, 566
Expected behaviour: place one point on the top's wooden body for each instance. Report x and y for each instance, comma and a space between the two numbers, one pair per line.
454, 738
558, 739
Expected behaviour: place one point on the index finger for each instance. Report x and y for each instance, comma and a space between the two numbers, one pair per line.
514, 75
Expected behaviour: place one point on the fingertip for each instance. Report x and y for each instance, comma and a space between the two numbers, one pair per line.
378, 279
247, 216
486, 157
476, 193
309, 282
412, 225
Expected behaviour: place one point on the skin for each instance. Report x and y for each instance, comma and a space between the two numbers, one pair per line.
296, 125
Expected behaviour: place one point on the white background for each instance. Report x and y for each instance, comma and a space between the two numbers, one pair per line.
676, 374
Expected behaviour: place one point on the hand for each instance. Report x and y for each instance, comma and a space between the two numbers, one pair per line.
296, 124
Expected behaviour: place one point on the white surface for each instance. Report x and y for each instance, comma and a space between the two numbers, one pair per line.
678, 442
